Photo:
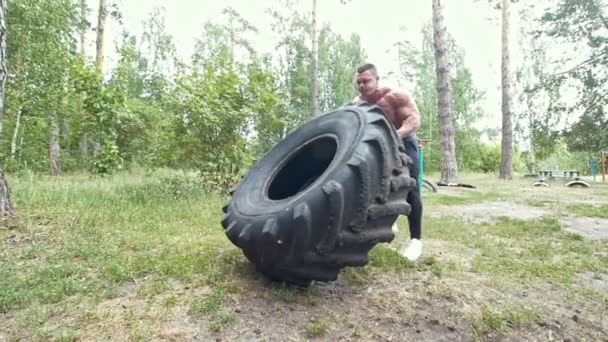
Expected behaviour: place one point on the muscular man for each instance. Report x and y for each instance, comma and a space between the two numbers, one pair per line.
402, 112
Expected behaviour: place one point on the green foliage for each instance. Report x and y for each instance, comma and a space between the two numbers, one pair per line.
39, 48
564, 159
338, 60
212, 114
103, 103
580, 25
215, 115
266, 104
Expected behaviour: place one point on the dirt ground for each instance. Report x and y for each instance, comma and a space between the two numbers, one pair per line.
416, 305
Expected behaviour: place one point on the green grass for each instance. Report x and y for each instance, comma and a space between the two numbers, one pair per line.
500, 318
516, 249
589, 210
317, 327
285, 294
539, 203
467, 196
87, 237
387, 259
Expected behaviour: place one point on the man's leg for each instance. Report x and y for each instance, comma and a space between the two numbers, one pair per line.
414, 249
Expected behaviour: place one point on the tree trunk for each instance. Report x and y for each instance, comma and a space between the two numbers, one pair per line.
506, 156
54, 148
3, 59
84, 144
84, 150
83, 27
315, 62
449, 166
531, 117
16, 134
101, 23
6, 206
532, 146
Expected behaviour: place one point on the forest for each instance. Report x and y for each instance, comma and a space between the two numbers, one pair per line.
225, 106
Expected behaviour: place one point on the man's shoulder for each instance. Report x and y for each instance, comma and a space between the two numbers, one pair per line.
398, 96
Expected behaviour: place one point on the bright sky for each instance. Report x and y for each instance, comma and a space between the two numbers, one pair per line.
474, 24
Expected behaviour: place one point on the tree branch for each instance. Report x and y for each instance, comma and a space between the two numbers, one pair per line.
603, 19
581, 64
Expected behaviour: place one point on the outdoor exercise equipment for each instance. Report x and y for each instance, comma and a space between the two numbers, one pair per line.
571, 177
593, 164
604, 154
423, 183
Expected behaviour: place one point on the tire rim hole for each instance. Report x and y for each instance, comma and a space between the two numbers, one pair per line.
303, 168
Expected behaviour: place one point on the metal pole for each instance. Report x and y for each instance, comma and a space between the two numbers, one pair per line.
603, 166
421, 159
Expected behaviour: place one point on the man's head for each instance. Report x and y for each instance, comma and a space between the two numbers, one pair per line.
367, 79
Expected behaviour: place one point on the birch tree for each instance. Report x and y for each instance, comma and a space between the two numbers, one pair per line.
449, 166
6, 205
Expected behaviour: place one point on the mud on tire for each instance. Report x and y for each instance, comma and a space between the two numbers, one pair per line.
322, 197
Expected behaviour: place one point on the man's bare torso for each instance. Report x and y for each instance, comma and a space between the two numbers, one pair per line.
389, 101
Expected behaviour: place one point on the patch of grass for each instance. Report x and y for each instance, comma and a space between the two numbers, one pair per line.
87, 236
433, 265
169, 301
221, 320
316, 327
515, 249
138, 330
539, 203
285, 293
518, 316
589, 210
67, 337
447, 228
387, 259
209, 305
442, 291
464, 197
498, 320
489, 322
493, 320
153, 288
357, 276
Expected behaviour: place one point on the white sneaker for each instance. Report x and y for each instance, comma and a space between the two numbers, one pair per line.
395, 228
413, 250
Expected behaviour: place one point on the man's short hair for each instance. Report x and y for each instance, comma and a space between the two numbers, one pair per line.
368, 66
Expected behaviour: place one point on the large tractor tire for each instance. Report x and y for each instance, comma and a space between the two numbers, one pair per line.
322, 197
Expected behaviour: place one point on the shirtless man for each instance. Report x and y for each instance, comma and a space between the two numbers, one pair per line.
402, 112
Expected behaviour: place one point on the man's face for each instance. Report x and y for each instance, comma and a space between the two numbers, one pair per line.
366, 83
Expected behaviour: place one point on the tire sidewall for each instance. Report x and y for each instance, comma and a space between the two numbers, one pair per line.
346, 126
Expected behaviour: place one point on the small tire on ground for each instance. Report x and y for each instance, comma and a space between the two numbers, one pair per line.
541, 183
322, 197
429, 185
578, 184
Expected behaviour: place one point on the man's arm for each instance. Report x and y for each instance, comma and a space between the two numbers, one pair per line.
407, 111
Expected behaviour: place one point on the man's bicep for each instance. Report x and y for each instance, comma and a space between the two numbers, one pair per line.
406, 105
